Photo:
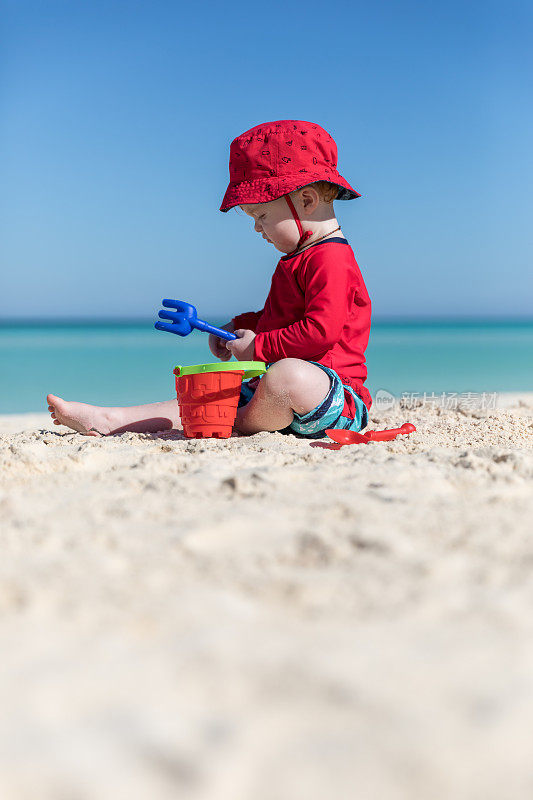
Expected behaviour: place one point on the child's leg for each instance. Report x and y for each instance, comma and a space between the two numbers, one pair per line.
289, 386
98, 420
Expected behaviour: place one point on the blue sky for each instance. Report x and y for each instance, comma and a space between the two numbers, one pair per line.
116, 119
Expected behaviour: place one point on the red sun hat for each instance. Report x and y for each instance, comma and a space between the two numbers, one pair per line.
276, 158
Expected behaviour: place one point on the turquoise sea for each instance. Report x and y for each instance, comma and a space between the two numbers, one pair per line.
128, 363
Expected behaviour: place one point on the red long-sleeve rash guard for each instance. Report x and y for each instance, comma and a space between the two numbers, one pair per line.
318, 309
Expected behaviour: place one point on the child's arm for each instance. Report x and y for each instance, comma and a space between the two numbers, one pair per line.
248, 320
329, 289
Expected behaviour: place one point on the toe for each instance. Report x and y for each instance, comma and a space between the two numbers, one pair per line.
57, 422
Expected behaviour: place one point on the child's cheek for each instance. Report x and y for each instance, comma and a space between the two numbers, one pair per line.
288, 235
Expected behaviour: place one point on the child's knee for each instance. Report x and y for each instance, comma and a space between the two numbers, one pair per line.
293, 378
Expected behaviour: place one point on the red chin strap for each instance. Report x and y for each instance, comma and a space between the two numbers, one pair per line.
304, 235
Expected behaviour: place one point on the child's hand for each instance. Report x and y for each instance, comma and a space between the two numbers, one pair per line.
218, 346
242, 348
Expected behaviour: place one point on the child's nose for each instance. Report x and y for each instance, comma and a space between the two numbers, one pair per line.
257, 227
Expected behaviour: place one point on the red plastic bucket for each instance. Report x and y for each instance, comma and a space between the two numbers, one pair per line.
208, 396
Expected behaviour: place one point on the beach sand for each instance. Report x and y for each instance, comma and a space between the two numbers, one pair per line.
263, 619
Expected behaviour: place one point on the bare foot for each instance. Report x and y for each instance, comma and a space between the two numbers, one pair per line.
81, 417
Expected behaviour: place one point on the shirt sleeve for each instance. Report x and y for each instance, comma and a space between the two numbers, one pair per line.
248, 320
328, 284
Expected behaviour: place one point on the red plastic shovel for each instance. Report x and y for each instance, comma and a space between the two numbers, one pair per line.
352, 437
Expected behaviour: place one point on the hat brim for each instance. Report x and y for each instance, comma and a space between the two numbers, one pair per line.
264, 190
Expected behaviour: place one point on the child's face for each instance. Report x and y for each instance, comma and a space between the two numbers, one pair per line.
275, 223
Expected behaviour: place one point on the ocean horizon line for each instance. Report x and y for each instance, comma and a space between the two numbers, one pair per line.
384, 319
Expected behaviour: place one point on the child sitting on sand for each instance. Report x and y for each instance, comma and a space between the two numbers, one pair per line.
314, 327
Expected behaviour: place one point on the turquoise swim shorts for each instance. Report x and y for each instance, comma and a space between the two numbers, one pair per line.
328, 414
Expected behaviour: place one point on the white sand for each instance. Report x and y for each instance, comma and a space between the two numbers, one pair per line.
260, 619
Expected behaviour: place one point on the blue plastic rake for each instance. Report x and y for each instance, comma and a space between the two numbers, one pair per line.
184, 319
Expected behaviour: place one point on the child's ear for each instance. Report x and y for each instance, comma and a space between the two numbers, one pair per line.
309, 197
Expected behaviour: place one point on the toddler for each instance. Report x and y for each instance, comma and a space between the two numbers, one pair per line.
314, 327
